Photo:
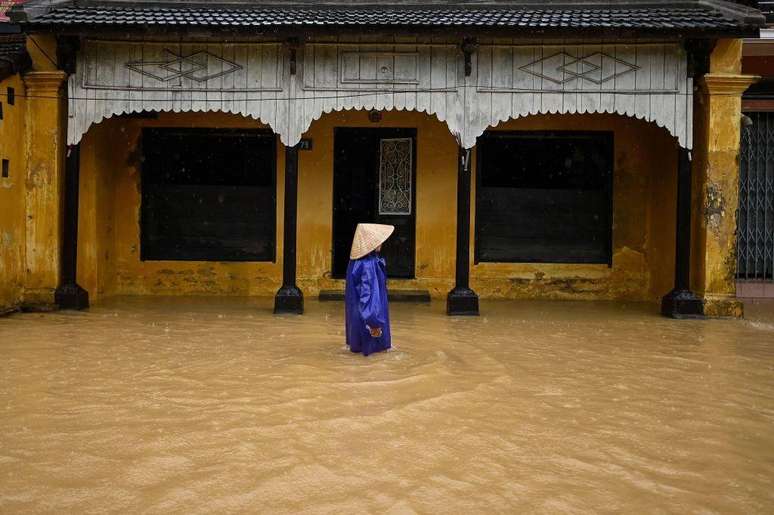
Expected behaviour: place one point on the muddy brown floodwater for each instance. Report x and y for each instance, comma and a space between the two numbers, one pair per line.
215, 405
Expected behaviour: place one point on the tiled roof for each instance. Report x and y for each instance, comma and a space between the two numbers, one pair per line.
13, 55
662, 19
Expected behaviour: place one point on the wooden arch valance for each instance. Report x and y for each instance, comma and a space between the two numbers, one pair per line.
644, 81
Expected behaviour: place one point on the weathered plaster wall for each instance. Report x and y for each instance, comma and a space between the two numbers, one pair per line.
45, 152
644, 190
12, 196
662, 222
716, 180
30, 134
96, 263
644, 207
42, 140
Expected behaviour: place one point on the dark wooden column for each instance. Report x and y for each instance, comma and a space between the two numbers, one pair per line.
462, 300
681, 302
69, 295
289, 298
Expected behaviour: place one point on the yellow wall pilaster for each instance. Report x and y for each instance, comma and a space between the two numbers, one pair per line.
45, 160
716, 180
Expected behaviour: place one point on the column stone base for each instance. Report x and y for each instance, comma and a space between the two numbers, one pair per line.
71, 296
289, 299
462, 302
682, 304
723, 306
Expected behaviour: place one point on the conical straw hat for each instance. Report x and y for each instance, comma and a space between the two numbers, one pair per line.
368, 237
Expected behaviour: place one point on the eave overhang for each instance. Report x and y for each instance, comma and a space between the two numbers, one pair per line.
583, 19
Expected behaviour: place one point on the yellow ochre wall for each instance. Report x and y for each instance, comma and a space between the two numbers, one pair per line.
643, 233
12, 196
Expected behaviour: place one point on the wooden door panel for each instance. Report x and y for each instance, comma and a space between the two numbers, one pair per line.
358, 167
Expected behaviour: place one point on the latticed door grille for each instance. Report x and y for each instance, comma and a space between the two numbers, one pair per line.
395, 166
755, 230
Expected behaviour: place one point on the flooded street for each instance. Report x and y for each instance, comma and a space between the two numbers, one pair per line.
215, 405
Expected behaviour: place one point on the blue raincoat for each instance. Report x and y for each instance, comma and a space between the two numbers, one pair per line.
365, 305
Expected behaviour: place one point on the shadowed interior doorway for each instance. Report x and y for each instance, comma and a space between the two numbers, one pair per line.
374, 178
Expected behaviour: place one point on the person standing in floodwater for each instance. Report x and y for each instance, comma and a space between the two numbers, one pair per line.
367, 317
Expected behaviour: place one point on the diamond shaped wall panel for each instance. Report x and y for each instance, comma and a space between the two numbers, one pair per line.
645, 81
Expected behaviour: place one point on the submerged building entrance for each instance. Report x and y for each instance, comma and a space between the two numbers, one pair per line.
374, 181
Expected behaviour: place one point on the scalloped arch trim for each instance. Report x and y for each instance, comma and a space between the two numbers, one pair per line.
648, 82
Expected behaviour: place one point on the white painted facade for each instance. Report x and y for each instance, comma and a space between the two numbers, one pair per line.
507, 80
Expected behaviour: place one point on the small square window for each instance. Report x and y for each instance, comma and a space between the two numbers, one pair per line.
11, 96
6, 165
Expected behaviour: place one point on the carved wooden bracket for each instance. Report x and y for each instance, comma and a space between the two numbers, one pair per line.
67, 49
293, 45
698, 53
468, 46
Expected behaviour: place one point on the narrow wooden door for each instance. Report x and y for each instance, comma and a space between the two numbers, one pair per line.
374, 181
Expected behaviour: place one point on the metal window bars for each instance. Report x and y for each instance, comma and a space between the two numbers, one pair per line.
755, 220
